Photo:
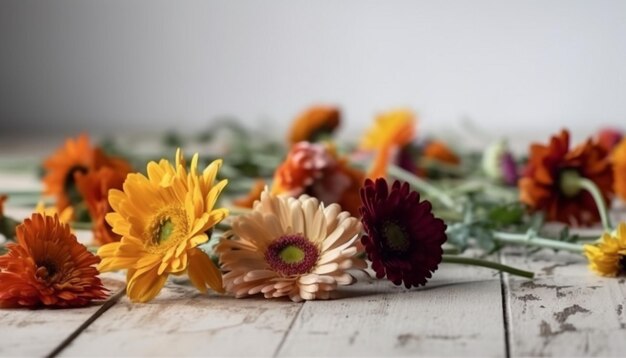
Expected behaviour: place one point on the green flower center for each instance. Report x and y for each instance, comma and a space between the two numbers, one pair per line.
165, 231
292, 255
395, 237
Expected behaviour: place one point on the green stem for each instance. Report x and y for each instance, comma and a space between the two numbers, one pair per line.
422, 185
592, 188
530, 239
453, 259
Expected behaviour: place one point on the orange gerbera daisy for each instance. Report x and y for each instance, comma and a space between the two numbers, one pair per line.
76, 156
162, 219
315, 122
391, 133
48, 267
542, 185
315, 170
619, 169
94, 188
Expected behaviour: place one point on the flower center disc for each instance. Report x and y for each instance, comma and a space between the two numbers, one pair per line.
395, 237
167, 228
46, 271
291, 255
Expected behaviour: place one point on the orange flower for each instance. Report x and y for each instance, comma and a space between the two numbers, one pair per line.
315, 122
391, 132
439, 151
76, 156
254, 195
541, 186
316, 170
94, 188
48, 267
619, 169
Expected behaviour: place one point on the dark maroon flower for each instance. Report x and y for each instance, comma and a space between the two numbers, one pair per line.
403, 238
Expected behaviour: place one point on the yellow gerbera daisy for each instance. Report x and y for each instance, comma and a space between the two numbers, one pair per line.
608, 257
290, 247
162, 218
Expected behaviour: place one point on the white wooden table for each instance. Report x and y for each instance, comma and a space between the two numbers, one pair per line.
463, 311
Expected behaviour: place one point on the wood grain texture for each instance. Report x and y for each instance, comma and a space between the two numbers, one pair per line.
28, 333
184, 322
566, 310
459, 312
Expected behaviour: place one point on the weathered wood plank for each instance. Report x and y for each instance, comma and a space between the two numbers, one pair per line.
25, 332
183, 322
459, 312
566, 311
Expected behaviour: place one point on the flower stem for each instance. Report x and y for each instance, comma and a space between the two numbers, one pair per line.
422, 185
453, 259
592, 188
530, 239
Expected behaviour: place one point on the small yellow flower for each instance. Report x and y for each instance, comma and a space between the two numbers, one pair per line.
162, 218
608, 257
65, 216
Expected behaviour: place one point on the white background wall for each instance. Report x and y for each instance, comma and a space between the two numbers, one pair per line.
130, 65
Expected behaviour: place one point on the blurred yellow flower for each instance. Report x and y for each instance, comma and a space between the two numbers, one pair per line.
608, 257
391, 131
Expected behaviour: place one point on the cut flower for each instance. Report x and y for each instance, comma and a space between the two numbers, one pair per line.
76, 156
404, 238
48, 267
545, 183
316, 170
608, 257
290, 247
162, 218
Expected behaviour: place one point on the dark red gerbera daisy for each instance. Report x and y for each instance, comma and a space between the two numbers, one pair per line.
404, 238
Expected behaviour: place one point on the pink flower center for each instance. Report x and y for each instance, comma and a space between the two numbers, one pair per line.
291, 255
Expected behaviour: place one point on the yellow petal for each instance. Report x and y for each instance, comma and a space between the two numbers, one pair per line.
203, 273
144, 286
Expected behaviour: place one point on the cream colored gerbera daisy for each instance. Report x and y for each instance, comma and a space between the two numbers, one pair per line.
290, 247
162, 219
